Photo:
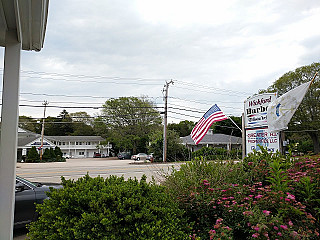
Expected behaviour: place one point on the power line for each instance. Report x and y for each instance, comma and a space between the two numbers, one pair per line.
32, 73
101, 107
197, 101
212, 88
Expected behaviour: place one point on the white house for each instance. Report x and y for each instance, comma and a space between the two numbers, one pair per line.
72, 146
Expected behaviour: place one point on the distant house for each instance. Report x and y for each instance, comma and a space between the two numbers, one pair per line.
211, 139
71, 146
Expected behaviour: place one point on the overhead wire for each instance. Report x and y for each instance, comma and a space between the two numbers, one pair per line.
102, 79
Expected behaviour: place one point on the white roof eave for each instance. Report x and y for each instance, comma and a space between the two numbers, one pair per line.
28, 18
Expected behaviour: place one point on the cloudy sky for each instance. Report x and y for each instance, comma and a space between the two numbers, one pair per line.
214, 51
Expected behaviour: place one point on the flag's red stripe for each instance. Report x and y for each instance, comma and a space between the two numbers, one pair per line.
200, 136
195, 129
203, 124
203, 132
202, 127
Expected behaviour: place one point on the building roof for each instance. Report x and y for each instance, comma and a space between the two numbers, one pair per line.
216, 138
26, 140
74, 138
28, 18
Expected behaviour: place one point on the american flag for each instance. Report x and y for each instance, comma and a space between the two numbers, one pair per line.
214, 114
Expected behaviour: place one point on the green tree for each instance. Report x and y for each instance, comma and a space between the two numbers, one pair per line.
175, 150
59, 126
99, 127
228, 127
28, 123
130, 121
183, 128
53, 154
82, 124
33, 155
307, 116
46, 156
58, 153
83, 117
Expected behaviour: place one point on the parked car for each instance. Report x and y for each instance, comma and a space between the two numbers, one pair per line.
27, 194
97, 155
139, 156
124, 155
150, 157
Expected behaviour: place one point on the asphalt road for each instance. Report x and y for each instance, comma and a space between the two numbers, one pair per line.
104, 167
76, 168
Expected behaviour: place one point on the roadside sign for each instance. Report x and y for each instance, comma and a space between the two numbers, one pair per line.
255, 110
261, 137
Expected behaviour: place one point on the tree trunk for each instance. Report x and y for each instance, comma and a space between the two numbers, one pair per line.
315, 139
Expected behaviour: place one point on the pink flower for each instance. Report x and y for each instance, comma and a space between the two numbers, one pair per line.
256, 228
255, 235
219, 220
290, 223
284, 227
280, 234
290, 196
258, 196
275, 228
266, 212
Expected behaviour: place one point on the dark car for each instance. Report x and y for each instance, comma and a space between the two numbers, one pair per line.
124, 155
97, 155
27, 194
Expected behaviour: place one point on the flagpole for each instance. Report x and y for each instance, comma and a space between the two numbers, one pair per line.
234, 123
314, 77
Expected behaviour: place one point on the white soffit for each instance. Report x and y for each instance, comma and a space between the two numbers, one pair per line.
28, 18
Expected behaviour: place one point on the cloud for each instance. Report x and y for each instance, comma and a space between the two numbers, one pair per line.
237, 46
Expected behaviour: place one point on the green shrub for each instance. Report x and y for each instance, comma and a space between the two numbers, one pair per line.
210, 153
33, 155
111, 208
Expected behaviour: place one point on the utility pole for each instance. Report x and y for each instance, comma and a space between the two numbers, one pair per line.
165, 90
45, 103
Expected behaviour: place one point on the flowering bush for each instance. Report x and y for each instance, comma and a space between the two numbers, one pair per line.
269, 197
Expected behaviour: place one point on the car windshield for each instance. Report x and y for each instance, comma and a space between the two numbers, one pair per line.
31, 184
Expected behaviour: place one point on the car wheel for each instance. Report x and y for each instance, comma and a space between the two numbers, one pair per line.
138, 159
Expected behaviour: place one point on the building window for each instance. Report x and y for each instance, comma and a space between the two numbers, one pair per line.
80, 143
63, 143
81, 153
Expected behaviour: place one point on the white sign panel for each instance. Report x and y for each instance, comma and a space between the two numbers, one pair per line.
255, 110
261, 136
